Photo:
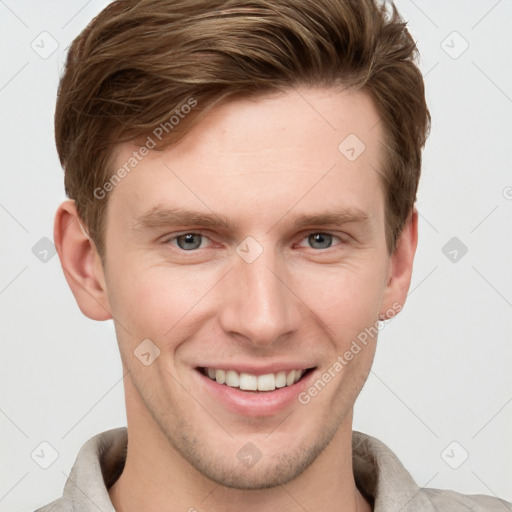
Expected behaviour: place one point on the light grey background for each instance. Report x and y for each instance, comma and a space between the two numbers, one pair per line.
442, 370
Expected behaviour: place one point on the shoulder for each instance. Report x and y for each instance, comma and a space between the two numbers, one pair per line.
58, 505
99, 463
381, 476
456, 502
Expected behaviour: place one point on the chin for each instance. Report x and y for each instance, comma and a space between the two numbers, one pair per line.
249, 468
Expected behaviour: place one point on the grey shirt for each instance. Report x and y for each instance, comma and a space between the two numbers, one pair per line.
378, 473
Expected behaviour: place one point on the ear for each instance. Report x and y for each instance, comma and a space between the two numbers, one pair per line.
81, 263
400, 267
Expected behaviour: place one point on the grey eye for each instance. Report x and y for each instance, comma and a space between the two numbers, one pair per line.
189, 241
320, 240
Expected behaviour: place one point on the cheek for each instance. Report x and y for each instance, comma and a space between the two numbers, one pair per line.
151, 302
347, 299
348, 309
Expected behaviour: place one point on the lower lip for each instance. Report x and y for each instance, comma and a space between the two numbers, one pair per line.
252, 403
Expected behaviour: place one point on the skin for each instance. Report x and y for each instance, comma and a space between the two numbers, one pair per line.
259, 163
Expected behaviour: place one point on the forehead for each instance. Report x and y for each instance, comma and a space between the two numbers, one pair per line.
303, 152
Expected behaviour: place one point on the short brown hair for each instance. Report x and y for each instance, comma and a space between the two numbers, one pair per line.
139, 61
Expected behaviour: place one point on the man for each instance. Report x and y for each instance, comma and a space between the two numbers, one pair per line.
242, 178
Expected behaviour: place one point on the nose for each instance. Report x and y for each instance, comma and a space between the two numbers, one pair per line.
257, 302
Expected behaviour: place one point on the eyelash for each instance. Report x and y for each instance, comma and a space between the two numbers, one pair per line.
178, 235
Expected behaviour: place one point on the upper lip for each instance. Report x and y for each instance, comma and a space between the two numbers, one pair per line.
258, 369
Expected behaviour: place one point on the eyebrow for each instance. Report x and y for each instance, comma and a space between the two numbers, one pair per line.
339, 217
162, 217
159, 217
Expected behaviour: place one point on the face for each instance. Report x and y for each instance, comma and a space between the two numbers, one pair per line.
254, 251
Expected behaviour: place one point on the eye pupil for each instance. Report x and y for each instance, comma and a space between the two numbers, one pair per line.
320, 240
189, 241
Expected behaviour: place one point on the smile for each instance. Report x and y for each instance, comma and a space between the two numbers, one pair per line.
249, 382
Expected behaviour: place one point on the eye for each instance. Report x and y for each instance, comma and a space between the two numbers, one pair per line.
188, 241
321, 240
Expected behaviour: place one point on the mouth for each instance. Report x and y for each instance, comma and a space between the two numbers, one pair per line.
252, 392
245, 381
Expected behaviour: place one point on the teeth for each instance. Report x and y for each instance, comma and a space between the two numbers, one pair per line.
280, 379
249, 382
267, 382
232, 379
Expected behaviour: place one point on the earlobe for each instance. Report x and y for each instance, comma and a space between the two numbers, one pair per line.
81, 263
401, 264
